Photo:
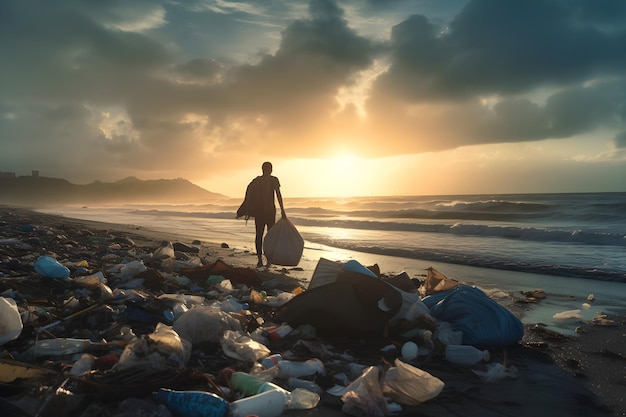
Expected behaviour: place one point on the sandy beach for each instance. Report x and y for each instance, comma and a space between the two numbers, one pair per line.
556, 374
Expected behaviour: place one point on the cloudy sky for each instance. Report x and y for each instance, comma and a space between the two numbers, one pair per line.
350, 97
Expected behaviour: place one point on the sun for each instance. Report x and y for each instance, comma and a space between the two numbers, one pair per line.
340, 175
344, 164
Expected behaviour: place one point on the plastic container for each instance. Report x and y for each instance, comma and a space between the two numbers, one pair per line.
265, 404
409, 351
296, 369
192, 403
465, 355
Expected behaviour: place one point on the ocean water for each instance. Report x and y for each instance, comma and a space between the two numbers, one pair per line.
569, 244
571, 235
574, 235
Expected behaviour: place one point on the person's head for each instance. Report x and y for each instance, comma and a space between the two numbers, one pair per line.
267, 168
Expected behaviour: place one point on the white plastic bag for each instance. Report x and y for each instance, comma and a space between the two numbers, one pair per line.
240, 346
495, 372
283, 244
364, 397
205, 324
10, 320
409, 385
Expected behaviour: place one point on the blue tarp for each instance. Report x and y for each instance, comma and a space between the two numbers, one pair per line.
484, 322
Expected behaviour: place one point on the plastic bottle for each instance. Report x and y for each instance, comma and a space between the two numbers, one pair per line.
294, 383
64, 346
83, 365
465, 355
297, 369
271, 360
427, 337
265, 404
192, 403
251, 385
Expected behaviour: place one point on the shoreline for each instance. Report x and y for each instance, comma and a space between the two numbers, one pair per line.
596, 358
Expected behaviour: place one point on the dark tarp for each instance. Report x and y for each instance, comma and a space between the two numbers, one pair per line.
355, 305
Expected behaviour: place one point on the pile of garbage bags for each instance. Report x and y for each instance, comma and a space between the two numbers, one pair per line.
105, 327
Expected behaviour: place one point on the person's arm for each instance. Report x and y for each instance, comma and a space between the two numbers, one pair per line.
279, 196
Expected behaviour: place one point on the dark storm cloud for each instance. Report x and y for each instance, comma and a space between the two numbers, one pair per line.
620, 140
505, 50
495, 47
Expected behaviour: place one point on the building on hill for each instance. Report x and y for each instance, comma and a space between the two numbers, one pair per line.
7, 174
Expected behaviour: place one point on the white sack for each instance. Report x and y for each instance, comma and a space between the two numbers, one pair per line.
283, 244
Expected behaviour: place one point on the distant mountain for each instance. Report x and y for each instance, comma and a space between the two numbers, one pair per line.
36, 191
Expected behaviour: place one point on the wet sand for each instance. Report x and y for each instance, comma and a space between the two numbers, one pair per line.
556, 375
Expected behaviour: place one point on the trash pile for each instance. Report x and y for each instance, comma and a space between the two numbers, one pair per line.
92, 324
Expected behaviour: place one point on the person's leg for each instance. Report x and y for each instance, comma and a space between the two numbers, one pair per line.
259, 224
270, 221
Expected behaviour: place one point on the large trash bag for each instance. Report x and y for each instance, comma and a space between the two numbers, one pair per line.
283, 244
484, 322
354, 305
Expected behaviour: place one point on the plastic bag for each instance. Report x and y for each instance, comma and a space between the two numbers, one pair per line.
168, 342
242, 347
364, 397
11, 324
283, 244
51, 268
409, 385
495, 372
157, 350
204, 324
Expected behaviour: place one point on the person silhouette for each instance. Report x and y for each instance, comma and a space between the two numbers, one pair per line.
268, 191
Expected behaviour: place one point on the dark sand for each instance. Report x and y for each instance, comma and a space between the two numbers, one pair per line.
555, 375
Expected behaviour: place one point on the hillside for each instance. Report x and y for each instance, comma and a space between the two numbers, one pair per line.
37, 191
